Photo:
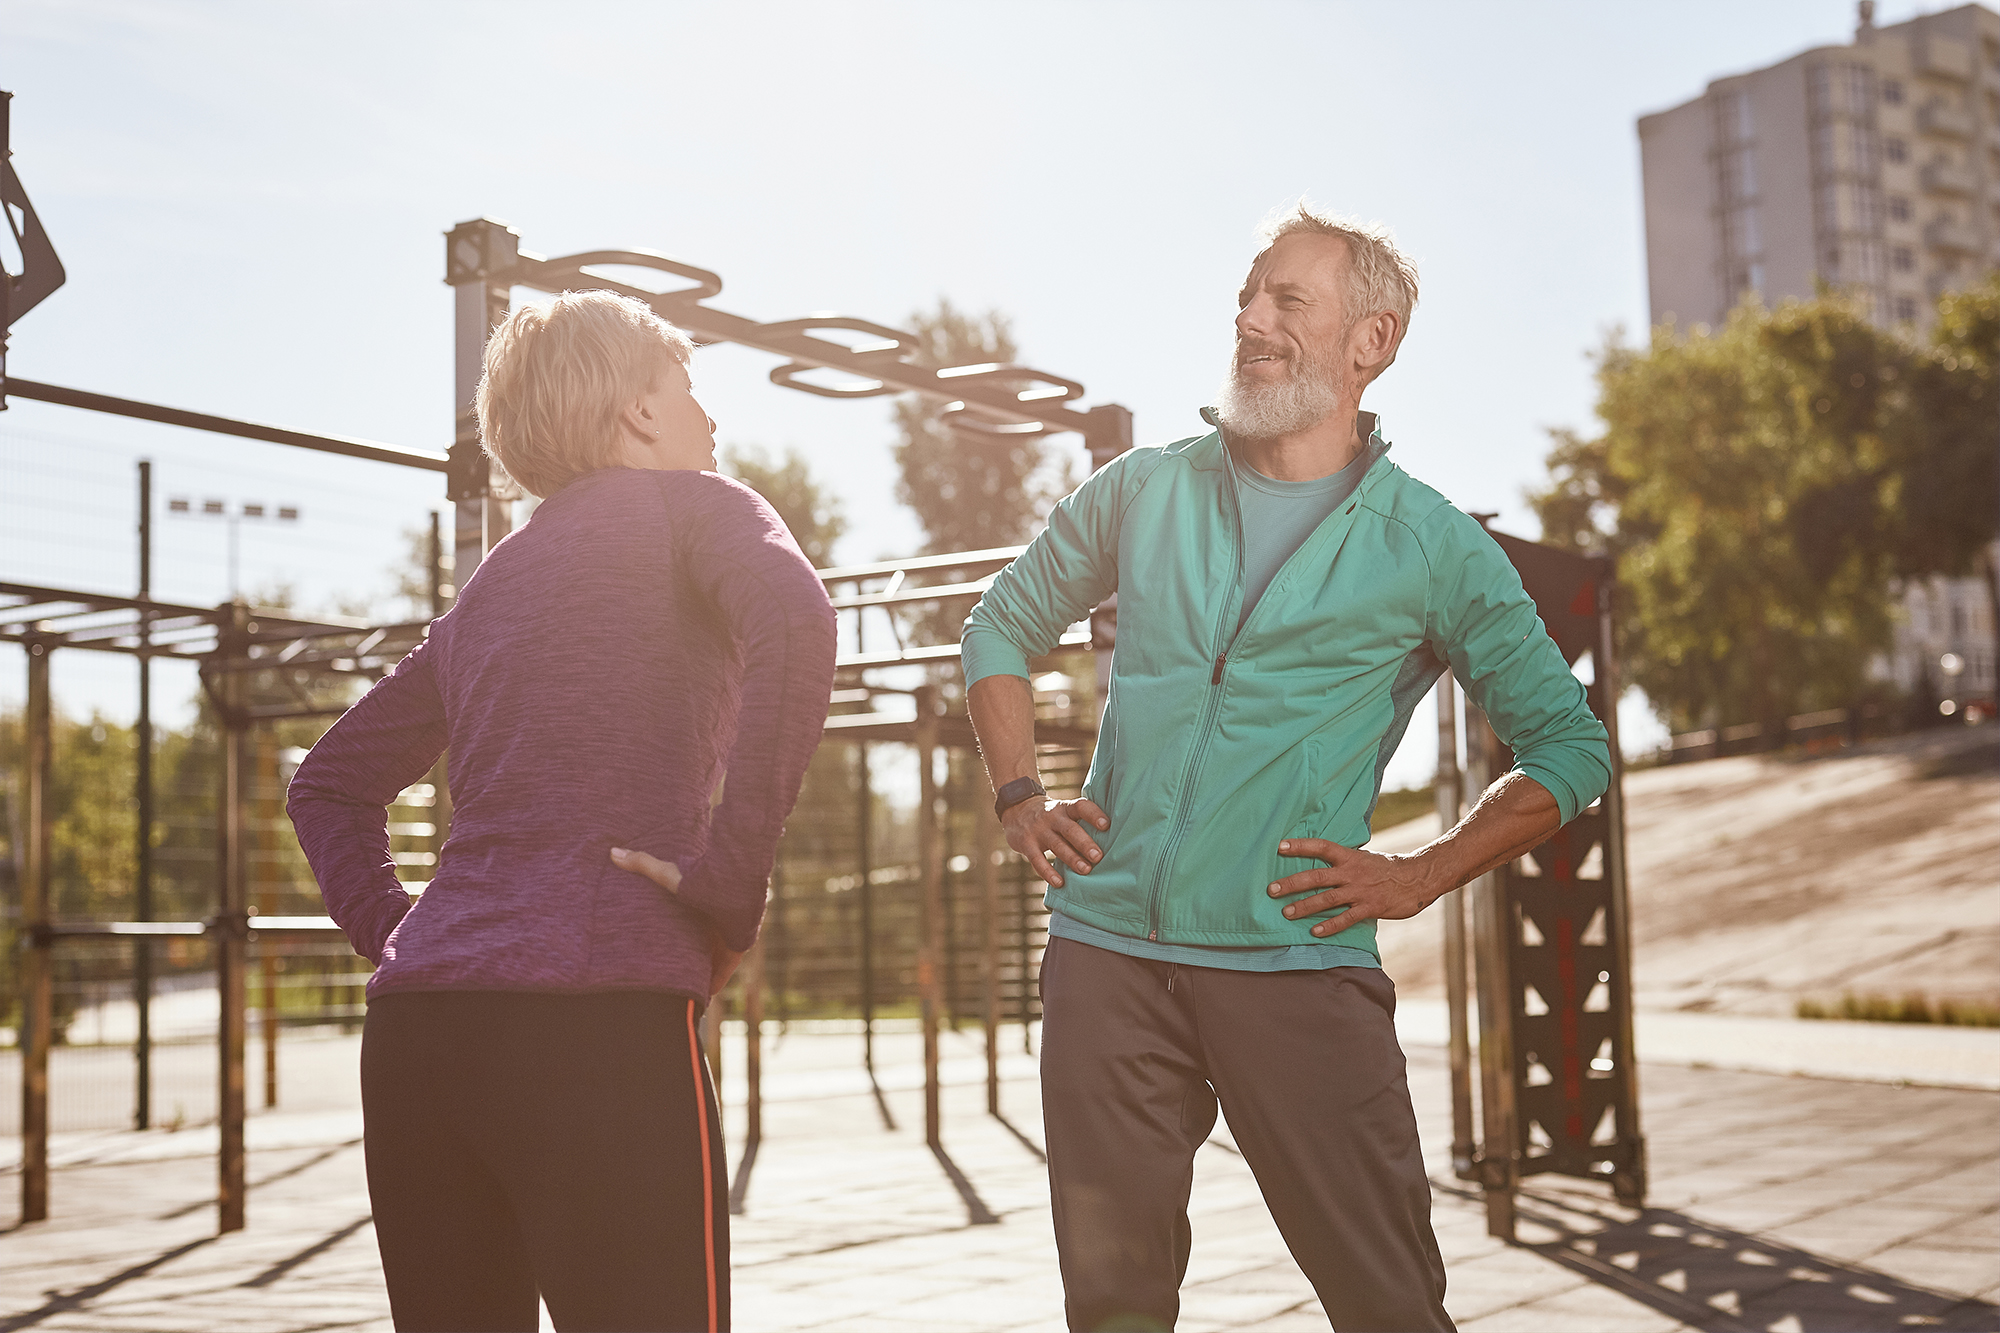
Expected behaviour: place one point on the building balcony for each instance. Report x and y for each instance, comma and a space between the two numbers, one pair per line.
1951, 178
1945, 121
1941, 281
1942, 58
1950, 236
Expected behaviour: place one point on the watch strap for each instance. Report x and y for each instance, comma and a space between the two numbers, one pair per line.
1017, 791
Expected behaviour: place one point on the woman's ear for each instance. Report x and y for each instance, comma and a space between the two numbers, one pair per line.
637, 430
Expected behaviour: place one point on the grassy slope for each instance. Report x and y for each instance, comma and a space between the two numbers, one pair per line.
1758, 882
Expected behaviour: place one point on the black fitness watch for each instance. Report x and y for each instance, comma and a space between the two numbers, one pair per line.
1017, 791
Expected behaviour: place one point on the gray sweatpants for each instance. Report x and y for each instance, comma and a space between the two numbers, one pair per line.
1136, 1055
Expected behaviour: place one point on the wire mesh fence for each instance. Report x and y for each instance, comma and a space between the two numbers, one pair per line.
841, 942
301, 994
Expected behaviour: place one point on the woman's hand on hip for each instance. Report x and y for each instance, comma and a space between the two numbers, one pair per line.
663, 873
722, 960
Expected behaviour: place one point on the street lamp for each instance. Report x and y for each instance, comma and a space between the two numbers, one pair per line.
255, 510
1952, 665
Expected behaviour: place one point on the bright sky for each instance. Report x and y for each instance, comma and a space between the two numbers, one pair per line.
249, 199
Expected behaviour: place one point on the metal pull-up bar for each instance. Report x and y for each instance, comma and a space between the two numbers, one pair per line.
484, 262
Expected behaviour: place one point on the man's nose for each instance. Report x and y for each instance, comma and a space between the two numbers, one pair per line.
1254, 317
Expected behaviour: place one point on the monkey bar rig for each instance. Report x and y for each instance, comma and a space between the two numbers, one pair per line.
1552, 931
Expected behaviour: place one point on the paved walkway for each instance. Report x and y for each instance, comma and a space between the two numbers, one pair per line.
1782, 1203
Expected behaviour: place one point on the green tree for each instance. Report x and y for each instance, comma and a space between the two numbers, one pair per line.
1760, 487
970, 491
1949, 446
812, 513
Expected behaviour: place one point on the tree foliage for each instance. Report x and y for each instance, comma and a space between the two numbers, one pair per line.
812, 512
1762, 485
970, 491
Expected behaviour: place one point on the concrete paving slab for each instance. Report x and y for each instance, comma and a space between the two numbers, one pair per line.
852, 1226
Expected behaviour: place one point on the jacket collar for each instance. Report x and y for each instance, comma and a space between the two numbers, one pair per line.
1207, 453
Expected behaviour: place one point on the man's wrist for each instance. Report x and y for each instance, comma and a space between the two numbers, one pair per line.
1433, 874
1013, 793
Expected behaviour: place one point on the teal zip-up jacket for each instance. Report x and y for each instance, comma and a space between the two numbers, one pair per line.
1216, 743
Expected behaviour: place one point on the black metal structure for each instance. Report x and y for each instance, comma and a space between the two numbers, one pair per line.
1554, 1061
41, 272
258, 666
1559, 1087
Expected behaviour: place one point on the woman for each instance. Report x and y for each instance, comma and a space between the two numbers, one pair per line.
537, 1114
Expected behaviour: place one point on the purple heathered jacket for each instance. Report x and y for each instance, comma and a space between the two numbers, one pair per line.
644, 633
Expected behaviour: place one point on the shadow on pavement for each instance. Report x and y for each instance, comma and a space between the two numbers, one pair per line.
314, 1250
739, 1184
1026, 1142
976, 1211
62, 1302
290, 1171
1722, 1281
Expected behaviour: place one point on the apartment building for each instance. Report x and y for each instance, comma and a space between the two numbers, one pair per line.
1944, 643
1873, 167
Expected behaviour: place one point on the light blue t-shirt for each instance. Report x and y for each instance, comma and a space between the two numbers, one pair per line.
1278, 516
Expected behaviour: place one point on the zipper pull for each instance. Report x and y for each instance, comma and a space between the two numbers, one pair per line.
1220, 662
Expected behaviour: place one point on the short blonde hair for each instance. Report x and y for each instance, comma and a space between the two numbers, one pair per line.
1379, 276
557, 374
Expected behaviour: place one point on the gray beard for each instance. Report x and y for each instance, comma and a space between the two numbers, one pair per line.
1293, 405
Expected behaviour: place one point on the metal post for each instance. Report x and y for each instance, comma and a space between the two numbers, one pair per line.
1630, 1185
1499, 1169
864, 818
37, 1007
930, 973
983, 845
711, 1037
142, 895
1449, 789
440, 774
479, 259
948, 882
752, 973
434, 568
753, 1050
231, 926
270, 963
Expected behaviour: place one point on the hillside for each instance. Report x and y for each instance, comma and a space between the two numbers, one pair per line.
1760, 881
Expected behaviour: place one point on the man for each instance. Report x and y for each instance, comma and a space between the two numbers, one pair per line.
1286, 597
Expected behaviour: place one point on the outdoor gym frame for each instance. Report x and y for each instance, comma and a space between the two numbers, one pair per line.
1558, 1081
290, 657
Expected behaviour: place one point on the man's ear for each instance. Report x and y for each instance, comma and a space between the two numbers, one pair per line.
1374, 345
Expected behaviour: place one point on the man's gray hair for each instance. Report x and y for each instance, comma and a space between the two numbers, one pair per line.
1379, 276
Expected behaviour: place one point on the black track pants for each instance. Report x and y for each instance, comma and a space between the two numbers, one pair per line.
1137, 1054
562, 1144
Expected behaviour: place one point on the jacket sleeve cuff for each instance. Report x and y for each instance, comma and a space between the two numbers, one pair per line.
986, 652
394, 905
1569, 801
735, 913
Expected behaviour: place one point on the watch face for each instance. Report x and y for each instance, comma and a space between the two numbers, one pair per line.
1020, 789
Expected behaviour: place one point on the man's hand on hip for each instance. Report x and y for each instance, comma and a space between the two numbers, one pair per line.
1039, 828
1370, 886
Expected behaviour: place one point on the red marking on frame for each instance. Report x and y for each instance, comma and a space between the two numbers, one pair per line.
1572, 1058
1585, 601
